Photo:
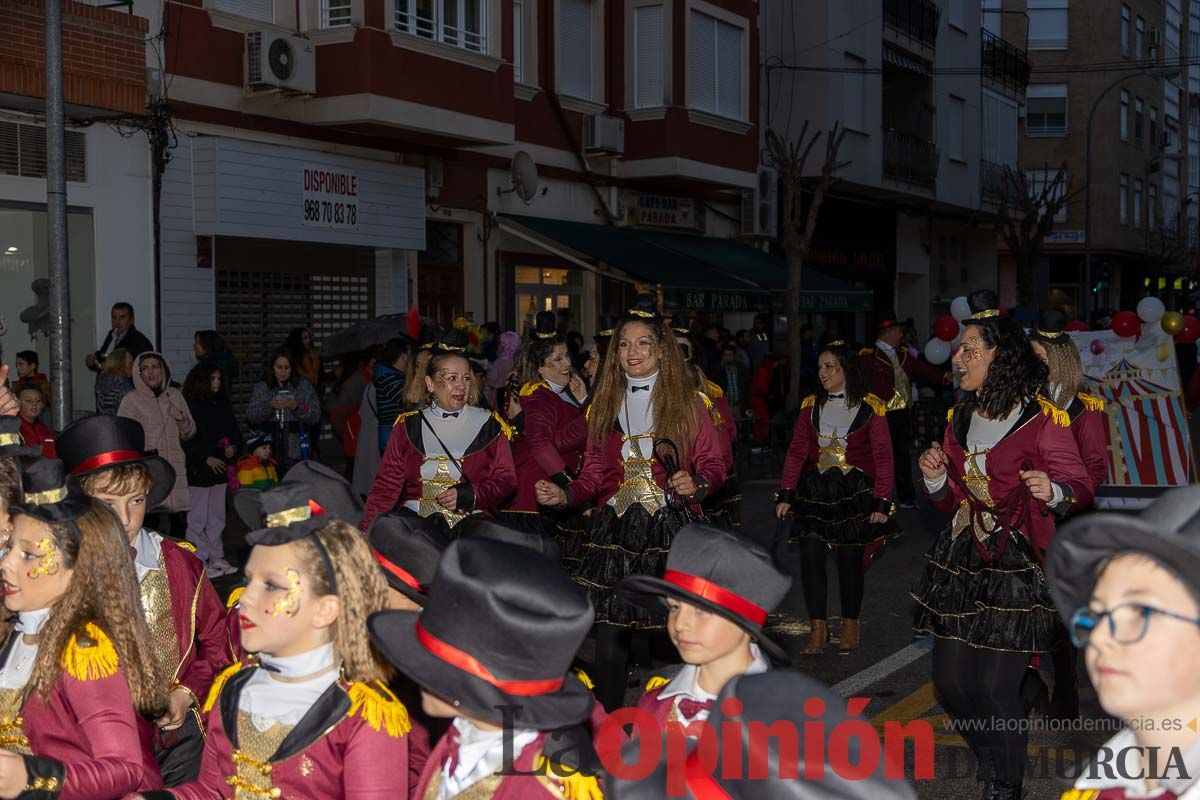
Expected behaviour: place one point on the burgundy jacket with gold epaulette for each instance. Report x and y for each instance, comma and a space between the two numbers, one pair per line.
551, 444
1089, 426
200, 621
881, 378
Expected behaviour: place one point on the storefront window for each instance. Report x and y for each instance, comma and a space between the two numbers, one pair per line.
549, 289
25, 292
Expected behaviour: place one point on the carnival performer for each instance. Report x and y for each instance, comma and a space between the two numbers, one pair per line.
310, 715
187, 621
652, 458
552, 434
837, 484
1008, 460
78, 680
1089, 426
448, 459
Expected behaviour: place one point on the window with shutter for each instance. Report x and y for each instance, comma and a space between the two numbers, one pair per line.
458, 23
23, 152
1046, 110
854, 93
729, 70
335, 13
648, 56
1047, 24
518, 42
715, 66
261, 10
575, 47
957, 111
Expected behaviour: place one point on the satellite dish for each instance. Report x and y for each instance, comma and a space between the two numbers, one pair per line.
524, 178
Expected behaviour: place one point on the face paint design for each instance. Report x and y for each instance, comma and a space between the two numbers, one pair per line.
48, 565
289, 604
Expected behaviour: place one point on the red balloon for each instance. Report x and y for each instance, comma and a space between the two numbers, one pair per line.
1126, 324
1076, 326
946, 329
1190, 332
1097, 347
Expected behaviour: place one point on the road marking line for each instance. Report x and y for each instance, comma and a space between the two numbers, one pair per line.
880, 670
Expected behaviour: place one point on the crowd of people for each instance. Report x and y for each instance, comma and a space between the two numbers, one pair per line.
421, 637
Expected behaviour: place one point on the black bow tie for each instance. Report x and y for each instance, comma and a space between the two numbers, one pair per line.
450, 414
639, 388
837, 396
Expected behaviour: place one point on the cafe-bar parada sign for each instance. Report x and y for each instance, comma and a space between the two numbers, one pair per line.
665, 211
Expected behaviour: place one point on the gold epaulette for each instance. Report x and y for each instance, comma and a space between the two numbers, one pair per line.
809, 401
381, 709
532, 387
218, 684
1080, 794
1056, 414
191, 548
950, 414
403, 417
876, 405
585, 679
715, 391
866, 351
91, 656
1091, 402
571, 784
655, 682
505, 428
234, 596
707, 402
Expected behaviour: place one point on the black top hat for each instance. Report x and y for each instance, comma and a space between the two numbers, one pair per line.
331, 490
1168, 531
46, 494
94, 444
499, 630
484, 528
720, 571
644, 309
287, 512
11, 443
775, 696
1052, 327
408, 549
545, 326
984, 305
452, 341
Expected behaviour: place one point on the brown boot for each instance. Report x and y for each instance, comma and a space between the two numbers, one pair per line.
851, 636
818, 637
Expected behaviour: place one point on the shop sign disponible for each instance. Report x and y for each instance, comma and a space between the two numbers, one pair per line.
330, 198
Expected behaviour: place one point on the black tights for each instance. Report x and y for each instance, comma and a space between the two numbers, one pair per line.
985, 686
851, 583
613, 646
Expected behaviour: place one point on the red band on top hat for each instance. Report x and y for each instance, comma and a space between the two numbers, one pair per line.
467, 663
315, 508
717, 594
700, 783
107, 460
401, 573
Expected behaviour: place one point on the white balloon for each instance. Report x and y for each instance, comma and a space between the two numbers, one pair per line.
937, 351
1151, 309
960, 308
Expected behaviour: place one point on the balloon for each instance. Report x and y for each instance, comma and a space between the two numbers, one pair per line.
1150, 309
960, 309
1097, 347
1172, 323
1076, 326
937, 351
1126, 324
946, 329
1191, 331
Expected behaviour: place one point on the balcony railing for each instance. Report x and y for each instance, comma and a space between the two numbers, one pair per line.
910, 158
1004, 63
917, 18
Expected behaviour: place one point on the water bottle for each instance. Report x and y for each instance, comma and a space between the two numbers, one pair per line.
305, 450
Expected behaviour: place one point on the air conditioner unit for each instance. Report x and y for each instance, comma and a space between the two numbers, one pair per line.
603, 135
277, 60
760, 206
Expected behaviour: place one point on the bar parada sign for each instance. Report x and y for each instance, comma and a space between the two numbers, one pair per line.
664, 211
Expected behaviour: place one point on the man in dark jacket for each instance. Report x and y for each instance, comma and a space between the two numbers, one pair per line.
123, 334
734, 380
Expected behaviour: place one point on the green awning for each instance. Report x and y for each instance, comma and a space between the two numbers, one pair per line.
697, 272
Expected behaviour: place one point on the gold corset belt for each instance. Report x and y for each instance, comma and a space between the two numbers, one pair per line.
252, 759
637, 485
12, 724
976, 482
432, 487
833, 455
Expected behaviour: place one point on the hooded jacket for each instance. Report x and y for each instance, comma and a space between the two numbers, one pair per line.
168, 424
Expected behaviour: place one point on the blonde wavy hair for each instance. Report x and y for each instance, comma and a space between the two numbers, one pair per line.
1066, 369
103, 591
361, 591
674, 401
415, 394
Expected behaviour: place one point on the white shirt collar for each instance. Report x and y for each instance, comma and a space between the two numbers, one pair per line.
480, 754
649, 380
558, 387
686, 683
885, 347
32, 622
301, 664
148, 545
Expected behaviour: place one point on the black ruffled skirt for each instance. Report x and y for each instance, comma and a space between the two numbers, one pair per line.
836, 508
635, 544
435, 519
724, 506
1002, 605
568, 529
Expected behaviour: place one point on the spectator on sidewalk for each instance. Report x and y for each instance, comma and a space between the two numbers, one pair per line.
123, 334
34, 432
210, 347
389, 380
208, 455
357, 370
734, 380
289, 405
29, 375
114, 382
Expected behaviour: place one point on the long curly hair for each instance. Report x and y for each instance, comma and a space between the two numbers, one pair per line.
415, 394
533, 355
103, 591
856, 379
1016, 374
1066, 369
361, 591
674, 401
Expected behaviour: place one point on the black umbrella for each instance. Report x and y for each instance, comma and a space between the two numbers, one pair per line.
364, 335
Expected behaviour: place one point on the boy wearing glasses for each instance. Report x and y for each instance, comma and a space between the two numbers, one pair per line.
1129, 590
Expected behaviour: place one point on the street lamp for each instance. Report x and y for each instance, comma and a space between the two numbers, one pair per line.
1159, 72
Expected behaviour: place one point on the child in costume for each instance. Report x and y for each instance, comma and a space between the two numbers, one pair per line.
1128, 588
77, 675
717, 591
107, 456
310, 714
502, 672
256, 469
